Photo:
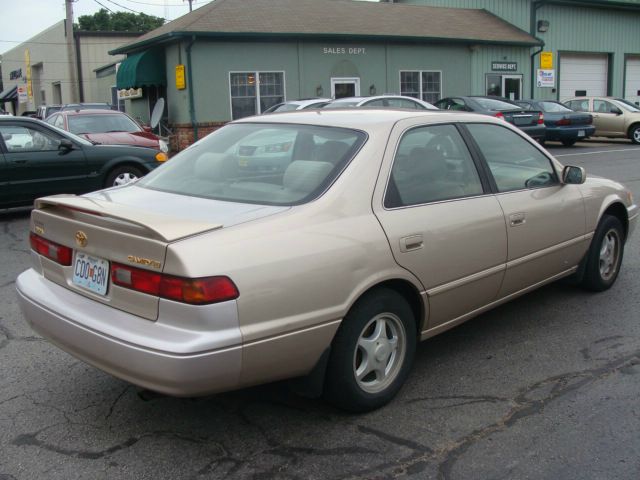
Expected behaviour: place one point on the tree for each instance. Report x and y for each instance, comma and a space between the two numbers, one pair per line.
104, 21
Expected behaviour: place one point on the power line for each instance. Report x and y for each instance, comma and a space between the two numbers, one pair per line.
104, 6
122, 6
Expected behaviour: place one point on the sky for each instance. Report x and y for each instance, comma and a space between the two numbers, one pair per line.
23, 19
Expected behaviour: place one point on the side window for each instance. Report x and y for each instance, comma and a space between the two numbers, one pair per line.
27, 139
514, 163
579, 105
431, 164
376, 103
601, 106
458, 104
59, 121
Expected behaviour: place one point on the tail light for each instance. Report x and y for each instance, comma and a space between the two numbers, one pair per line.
563, 121
541, 119
53, 251
499, 115
590, 121
194, 291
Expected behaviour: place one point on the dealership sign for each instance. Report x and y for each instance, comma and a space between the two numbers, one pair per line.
504, 66
344, 51
546, 78
23, 95
129, 93
15, 74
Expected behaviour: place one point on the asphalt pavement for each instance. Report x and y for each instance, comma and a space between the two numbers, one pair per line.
545, 387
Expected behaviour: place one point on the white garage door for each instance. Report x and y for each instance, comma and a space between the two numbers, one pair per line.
582, 73
632, 82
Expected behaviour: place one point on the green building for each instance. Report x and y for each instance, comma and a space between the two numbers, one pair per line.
233, 58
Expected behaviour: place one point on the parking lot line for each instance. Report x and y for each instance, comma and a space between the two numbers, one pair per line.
593, 153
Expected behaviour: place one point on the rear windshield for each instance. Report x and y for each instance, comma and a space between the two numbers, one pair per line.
554, 107
267, 164
492, 104
80, 124
348, 104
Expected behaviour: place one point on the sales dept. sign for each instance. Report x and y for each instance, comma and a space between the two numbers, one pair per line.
504, 66
344, 51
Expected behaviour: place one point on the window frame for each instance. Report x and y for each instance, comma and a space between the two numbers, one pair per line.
471, 142
257, 97
420, 86
478, 162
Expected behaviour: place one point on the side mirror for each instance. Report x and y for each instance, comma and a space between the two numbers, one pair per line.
7, 136
573, 175
65, 145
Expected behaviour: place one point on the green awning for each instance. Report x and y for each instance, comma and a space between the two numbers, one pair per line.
142, 69
9, 94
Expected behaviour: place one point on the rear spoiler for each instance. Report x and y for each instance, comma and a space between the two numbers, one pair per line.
162, 227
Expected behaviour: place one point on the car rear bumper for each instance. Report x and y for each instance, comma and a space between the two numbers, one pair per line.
537, 131
164, 356
570, 132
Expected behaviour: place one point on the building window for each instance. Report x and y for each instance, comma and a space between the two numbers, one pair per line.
421, 84
254, 92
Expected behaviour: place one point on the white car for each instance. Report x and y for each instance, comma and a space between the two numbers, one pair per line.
304, 104
381, 101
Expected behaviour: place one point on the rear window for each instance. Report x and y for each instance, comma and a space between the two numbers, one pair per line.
349, 104
554, 107
81, 124
491, 104
267, 164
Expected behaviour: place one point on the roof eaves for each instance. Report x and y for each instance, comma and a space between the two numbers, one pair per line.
130, 48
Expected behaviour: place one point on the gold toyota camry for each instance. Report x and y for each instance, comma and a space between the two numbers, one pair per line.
321, 245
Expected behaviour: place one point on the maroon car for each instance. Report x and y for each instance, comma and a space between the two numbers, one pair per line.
107, 127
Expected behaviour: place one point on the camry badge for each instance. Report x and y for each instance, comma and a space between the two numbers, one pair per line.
81, 238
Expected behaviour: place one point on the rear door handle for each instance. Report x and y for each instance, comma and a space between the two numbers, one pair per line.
411, 242
20, 161
516, 219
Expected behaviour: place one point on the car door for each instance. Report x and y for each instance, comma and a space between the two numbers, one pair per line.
608, 118
36, 165
442, 223
545, 218
4, 179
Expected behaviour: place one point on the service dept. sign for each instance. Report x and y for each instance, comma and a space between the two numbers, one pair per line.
504, 66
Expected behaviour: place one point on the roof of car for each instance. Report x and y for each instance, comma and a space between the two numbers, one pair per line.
365, 119
90, 111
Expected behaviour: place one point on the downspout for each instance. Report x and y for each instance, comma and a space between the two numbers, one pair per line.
533, 15
79, 67
192, 105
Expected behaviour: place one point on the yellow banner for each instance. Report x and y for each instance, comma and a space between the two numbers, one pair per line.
546, 60
27, 61
181, 84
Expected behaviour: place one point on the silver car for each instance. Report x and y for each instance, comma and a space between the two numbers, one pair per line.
386, 227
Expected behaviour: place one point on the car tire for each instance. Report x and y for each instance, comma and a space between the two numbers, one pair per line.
604, 256
122, 175
634, 134
372, 352
569, 143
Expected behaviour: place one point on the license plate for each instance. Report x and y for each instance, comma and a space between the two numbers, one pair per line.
522, 120
91, 273
581, 133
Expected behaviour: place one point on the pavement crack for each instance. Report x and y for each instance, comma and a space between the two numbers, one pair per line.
117, 399
403, 442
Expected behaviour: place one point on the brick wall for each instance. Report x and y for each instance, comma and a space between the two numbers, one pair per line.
183, 134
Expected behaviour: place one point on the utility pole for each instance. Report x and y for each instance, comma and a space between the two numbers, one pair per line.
71, 54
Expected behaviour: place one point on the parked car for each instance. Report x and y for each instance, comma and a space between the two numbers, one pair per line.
29, 113
612, 117
562, 124
38, 159
531, 122
303, 104
87, 106
108, 127
380, 101
44, 111
3, 112
206, 276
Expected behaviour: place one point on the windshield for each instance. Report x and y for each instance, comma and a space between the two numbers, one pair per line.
80, 124
627, 105
491, 104
553, 107
267, 164
285, 107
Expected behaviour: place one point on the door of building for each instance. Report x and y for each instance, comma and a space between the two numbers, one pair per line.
583, 75
632, 80
345, 87
512, 87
